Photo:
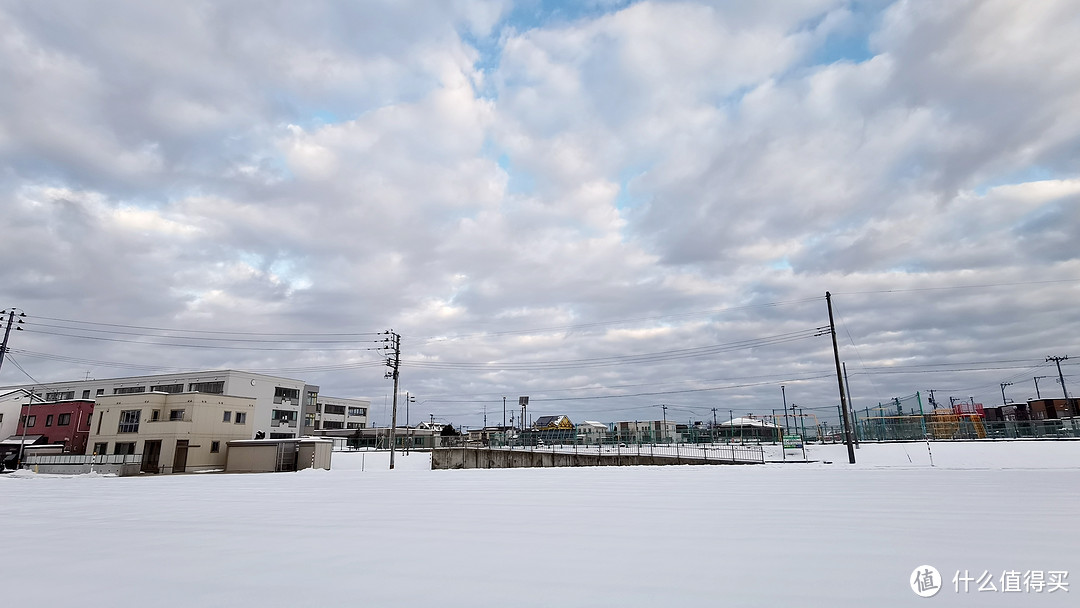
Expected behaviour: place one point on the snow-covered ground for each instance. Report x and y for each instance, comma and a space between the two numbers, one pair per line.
360, 535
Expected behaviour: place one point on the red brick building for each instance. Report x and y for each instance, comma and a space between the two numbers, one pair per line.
61, 422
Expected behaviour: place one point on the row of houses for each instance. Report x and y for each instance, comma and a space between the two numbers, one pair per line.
176, 422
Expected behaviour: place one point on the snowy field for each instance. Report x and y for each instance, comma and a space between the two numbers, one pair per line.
359, 535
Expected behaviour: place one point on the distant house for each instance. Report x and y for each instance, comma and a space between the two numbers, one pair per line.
592, 432
551, 423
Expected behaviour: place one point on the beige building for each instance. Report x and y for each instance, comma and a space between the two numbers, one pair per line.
175, 433
275, 455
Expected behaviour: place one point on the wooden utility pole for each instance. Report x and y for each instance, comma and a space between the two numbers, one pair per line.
840, 382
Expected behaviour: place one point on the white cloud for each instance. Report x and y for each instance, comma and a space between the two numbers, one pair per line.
582, 187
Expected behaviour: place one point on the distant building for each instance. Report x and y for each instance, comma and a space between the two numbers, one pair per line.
282, 405
174, 433
335, 413
551, 423
65, 423
649, 431
592, 432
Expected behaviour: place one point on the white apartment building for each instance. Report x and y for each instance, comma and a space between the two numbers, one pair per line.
333, 413
278, 401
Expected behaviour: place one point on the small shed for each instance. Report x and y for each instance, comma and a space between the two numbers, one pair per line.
274, 455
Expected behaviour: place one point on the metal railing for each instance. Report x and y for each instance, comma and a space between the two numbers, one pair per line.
707, 452
82, 459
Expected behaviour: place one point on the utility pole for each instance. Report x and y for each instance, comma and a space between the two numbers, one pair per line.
1003, 385
504, 414
784, 396
7, 330
851, 407
1057, 360
840, 382
408, 427
1037, 378
394, 363
714, 425
663, 431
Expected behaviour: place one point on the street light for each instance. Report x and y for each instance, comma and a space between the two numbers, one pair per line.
408, 399
1037, 378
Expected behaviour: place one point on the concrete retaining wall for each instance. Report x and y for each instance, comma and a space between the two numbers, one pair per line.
120, 470
485, 458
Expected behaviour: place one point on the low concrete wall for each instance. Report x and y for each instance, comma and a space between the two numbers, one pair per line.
497, 458
120, 470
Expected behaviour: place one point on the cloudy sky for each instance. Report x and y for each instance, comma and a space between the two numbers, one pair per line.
607, 206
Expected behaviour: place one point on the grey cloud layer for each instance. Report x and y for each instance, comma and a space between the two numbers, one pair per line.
344, 167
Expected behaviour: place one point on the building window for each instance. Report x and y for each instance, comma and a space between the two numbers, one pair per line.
227, 417
282, 394
86, 394
309, 420
283, 415
241, 417
48, 420
99, 392
281, 435
176, 414
101, 448
124, 447
155, 415
60, 396
89, 419
215, 446
63, 420
31, 421
214, 388
129, 390
312, 397
129, 422
355, 425
332, 424
357, 411
168, 388
334, 409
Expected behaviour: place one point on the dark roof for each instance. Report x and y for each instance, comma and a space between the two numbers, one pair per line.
546, 420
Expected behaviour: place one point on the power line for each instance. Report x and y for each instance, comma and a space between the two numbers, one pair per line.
206, 331
952, 287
